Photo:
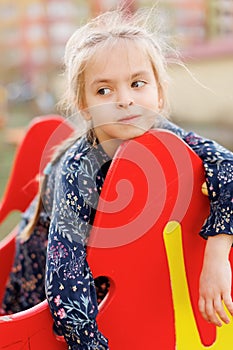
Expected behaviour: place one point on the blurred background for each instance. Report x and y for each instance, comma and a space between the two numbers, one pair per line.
33, 34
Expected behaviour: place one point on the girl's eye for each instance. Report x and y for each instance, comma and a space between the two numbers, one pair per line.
103, 91
138, 83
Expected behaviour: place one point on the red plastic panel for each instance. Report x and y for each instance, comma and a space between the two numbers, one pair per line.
31, 157
155, 178
7, 251
31, 329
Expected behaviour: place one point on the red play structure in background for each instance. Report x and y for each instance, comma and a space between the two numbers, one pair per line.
153, 179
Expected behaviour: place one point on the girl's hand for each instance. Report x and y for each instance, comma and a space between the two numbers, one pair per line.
215, 281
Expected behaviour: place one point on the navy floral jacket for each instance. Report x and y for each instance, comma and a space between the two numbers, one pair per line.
71, 197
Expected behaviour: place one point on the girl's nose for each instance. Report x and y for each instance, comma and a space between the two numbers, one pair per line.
124, 99
125, 103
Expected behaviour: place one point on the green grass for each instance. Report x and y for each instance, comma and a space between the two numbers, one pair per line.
17, 118
7, 153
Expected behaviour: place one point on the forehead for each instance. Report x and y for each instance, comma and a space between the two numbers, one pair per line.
122, 56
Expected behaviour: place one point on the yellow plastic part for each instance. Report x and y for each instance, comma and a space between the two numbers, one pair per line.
204, 189
187, 336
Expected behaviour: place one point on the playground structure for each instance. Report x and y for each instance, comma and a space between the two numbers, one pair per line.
144, 239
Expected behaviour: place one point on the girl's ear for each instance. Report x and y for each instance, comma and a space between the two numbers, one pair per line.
84, 111
161, 98
160, 104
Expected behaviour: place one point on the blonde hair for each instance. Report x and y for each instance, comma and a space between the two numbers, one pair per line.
105, 30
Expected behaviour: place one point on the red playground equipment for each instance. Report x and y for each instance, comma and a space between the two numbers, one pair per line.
145, 239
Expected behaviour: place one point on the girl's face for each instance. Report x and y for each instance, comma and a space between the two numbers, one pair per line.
121, 94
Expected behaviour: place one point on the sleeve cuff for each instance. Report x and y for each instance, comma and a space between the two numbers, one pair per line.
220, 220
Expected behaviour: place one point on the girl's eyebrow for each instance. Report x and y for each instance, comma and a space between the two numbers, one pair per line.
140, 74
133, 76
100, 81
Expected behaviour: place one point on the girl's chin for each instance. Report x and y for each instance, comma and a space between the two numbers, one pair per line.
121, 132
131, 135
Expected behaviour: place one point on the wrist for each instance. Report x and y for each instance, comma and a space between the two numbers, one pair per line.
218, 246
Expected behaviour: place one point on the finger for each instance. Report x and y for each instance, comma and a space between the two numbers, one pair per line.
201, 307
228, 302
210, 312
219, 309
206, 311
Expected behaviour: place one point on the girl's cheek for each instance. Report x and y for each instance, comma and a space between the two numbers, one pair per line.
101, 114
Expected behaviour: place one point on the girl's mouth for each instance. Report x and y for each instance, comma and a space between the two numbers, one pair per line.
128, 118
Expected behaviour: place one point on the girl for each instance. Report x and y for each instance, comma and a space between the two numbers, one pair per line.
116, 77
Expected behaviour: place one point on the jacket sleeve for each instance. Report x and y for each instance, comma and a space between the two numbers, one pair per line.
70, 286
218, 165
